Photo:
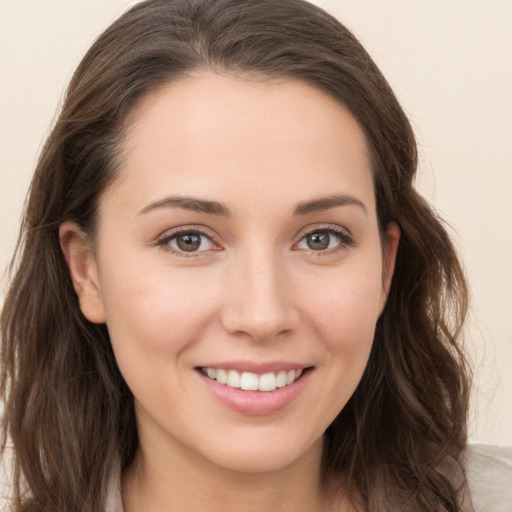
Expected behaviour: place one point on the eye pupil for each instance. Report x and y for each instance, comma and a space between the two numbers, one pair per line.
318, 240
188, 242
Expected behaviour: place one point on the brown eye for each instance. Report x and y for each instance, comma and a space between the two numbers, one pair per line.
318, 241
324, 240
190, 242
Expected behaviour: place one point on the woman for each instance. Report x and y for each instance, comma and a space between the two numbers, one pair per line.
229, 293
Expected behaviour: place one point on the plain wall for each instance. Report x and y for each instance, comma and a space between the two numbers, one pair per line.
450, 64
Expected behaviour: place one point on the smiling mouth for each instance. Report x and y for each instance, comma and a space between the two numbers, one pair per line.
249, 381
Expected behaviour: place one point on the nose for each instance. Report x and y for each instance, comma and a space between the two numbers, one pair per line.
260, 299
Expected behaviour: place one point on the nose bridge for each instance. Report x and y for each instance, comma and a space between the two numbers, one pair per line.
259, 304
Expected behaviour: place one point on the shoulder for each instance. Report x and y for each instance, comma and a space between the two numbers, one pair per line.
488, 470
114, 502
5, 479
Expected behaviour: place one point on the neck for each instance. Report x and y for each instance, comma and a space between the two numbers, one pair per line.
181, 480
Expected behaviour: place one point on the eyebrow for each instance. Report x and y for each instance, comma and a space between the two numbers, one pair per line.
215, 208
188, 203
327, 202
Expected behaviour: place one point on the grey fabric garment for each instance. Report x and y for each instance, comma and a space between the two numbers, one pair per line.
488, 470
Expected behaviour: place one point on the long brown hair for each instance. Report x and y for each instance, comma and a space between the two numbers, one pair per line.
68, 411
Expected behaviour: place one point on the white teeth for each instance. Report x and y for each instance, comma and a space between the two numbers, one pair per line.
267, 382
233, 379
249, 381
222, 376
281, 379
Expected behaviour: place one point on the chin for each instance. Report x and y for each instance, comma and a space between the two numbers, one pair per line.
262, 454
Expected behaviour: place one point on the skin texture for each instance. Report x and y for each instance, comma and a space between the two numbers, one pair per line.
255, 291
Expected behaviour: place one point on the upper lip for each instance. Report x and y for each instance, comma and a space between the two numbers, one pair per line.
256, 367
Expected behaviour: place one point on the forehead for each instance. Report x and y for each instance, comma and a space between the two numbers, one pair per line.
217, 134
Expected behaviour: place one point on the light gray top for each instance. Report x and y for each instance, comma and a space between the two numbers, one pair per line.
488, 471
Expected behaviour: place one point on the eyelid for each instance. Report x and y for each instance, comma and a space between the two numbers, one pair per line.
164, 239
346, 238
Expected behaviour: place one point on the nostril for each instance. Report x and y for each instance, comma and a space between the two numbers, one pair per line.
259, 316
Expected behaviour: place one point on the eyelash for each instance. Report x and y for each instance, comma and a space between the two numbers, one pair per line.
165, 239
345, 239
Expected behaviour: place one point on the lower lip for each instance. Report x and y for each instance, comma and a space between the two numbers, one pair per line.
256, 403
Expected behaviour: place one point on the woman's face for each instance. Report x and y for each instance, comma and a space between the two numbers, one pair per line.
238, 247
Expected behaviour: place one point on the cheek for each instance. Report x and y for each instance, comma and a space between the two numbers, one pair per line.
342, 314
152, 322
157, 313
345, 309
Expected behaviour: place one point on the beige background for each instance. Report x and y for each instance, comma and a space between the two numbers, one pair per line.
450, 63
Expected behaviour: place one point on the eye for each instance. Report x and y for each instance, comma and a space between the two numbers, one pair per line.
323, 240
187, 242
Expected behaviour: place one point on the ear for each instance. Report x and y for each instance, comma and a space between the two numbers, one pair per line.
389, 251
83, 269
